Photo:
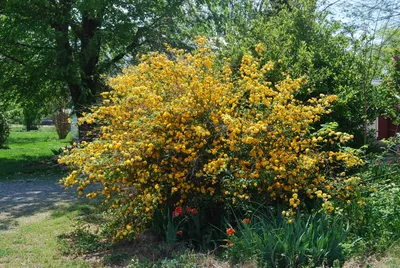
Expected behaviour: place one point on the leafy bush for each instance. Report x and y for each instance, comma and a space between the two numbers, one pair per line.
381, 219
178, 129
272, 241
378, 222
4, 130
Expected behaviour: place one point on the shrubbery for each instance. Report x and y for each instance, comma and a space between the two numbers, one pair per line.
378, 222
4, 130
267, 238
178, 130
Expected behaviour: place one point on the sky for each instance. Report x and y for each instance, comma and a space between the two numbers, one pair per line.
365, 13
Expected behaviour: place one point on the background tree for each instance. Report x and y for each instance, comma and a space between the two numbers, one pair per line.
75, 42
374, 26
304, 41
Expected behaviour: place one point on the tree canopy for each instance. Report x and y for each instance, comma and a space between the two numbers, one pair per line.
50, 47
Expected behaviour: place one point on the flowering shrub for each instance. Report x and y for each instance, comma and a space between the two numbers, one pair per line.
178, 129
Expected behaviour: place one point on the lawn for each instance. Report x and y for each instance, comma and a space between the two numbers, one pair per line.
30, 152
34, 243
69, 237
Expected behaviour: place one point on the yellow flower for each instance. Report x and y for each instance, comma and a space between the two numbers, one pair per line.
177, 129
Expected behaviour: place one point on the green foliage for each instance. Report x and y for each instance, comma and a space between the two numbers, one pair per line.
305, 43
80, 241
86, 236
378, 223
193, 227
53, 49
390, 88
117, 258
381, 217
311, 239
4, 130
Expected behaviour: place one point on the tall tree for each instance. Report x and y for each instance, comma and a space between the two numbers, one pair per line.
374, 25
302, 40
70, 44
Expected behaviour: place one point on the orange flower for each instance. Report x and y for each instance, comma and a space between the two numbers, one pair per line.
194, 211
179, 232
230, 231
246, 221
229, 243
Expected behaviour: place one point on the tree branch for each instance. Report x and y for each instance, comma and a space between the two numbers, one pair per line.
141, 33
329, 5
31, 46
12, 58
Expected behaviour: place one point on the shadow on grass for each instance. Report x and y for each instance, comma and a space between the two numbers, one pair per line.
23, 199
31, 139
26, 164
88, 242
88, 211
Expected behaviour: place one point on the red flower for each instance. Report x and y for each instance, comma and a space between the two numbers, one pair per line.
230, 231
194, 211
188, 210
178, 211
246, 221
175, 214
179, 232
229, 243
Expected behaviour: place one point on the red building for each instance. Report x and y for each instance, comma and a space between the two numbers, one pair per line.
386, 128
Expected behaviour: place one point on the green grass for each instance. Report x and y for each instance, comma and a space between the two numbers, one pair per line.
69, 237
30, 152
34, 242
391, 259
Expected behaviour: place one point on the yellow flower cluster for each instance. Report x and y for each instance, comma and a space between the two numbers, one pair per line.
178, 128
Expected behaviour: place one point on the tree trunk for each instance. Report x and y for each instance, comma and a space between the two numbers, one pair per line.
28, 125
84, 83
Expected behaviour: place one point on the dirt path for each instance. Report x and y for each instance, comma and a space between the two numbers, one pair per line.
25, 199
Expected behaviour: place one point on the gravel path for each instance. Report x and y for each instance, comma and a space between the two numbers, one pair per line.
22, 199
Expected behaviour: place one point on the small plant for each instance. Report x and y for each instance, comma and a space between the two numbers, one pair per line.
186, 225
116, 258
273, 241
81, 241
4, 131
186, 259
